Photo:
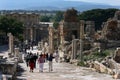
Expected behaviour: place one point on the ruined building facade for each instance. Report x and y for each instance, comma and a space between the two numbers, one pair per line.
111, 28
34, 30
72, 30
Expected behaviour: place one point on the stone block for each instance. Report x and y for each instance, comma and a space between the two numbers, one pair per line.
117, 55
103, 69
75, 62
20, 58
96, 66
8, 68
100, 67
110, 71
116, 76
111, 64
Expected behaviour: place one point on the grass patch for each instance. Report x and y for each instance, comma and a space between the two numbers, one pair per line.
97, 55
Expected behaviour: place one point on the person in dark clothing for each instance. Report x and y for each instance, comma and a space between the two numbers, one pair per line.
50, 59
35, 58
27, 58
31, 62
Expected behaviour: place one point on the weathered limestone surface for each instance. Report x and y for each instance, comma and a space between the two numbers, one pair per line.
75, 62
101, 68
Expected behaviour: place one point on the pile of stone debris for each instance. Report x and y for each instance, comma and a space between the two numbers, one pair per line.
110, 65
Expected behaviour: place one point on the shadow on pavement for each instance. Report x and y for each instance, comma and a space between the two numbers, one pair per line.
3, 48
20, 72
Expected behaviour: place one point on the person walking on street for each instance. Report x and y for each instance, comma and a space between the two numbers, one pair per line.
41, 62
56, 55
27, 58
31, 63
50, 59
35, 58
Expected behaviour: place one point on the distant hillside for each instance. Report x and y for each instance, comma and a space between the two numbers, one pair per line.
63, 5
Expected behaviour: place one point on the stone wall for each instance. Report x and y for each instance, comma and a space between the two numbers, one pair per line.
90, 29
113, 44
8, 68
70, 29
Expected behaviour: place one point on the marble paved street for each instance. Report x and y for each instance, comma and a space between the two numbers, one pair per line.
62, 71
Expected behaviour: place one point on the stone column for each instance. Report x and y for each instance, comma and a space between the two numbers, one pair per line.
62, 49
72, 50
50, 39
61, 33
31, 34
73, 47
11, 45
82, 22
34, 34
81, 38
25, 33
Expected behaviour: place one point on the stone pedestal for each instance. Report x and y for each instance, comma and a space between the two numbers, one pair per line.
18, 54
20, 58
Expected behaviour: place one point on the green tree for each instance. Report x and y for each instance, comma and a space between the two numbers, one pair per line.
11, 25
71, 15
56, 24
97, 15
45, 18
59, 16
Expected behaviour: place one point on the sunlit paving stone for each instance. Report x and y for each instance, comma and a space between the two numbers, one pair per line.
66, 72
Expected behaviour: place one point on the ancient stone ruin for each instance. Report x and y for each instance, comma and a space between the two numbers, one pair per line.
117, 55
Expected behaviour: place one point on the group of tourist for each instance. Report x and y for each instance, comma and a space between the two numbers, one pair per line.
31, 60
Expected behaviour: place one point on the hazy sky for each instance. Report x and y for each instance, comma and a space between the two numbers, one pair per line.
21, 4
110, 2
